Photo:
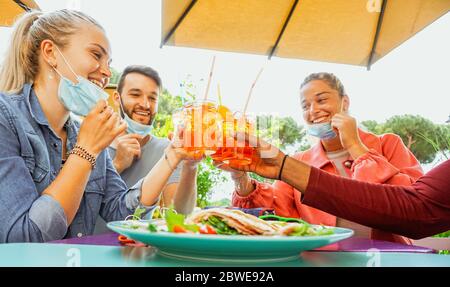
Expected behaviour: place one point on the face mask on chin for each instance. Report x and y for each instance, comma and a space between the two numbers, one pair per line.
135, 127
323, 131
81, 97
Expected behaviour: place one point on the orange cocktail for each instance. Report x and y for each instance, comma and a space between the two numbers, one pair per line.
201, 125
240, 152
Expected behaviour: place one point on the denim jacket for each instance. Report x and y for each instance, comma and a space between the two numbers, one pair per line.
31, 158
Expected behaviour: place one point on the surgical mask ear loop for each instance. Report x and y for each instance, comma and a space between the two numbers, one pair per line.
121, 108
67, 63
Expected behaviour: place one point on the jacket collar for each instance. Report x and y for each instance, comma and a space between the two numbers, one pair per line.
36, 112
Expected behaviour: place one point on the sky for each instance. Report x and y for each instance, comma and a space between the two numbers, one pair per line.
412, 79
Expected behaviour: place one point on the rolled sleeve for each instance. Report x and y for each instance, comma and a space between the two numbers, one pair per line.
261, 196
133, 200
119, 200
53, 225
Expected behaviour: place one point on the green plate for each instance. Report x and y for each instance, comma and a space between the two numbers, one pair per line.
228, 248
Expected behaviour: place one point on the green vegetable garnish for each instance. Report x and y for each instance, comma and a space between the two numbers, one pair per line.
138, 213
220, 226
309, 230
152, 227
173, 218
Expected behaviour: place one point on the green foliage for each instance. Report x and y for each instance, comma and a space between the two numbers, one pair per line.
208, 177
443, 234
424, 138
115, 76
280, 131
167, 105
222, 202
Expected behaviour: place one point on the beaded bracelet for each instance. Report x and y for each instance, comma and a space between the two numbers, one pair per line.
83, 153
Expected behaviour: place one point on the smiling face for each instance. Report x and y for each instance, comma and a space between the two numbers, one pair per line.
320, 102
139, 97
88, 53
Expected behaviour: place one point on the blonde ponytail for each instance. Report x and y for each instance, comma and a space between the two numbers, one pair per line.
21, 63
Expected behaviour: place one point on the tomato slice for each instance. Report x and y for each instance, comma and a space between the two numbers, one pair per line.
179, 229
207, 229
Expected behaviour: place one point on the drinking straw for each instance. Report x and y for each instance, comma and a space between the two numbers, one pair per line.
251, 90
210, 77
182, 93
219, 95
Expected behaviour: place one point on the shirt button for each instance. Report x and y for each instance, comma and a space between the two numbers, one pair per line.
348, 163
55, 145
80, 234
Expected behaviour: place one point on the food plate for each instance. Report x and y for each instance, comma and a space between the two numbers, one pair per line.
229, 248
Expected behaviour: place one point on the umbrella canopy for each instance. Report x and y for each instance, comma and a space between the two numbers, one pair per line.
11, 9
356, 32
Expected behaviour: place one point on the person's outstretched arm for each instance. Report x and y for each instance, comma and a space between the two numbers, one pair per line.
416, 211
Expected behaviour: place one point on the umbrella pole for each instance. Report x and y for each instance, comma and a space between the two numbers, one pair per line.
22, 5
377, 34
272, 51
174, 28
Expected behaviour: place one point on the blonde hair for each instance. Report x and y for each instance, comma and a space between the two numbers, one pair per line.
21, 63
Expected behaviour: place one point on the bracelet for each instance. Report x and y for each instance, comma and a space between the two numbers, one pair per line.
83, 153
281, 168
168, 162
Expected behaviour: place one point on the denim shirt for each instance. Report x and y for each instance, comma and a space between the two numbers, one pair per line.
31, 158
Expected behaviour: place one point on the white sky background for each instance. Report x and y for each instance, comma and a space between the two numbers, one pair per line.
412, 79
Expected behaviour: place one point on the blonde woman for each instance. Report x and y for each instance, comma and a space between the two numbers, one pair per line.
56, 175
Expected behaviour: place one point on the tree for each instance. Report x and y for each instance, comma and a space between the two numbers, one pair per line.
417, 133
115, 76
280, 131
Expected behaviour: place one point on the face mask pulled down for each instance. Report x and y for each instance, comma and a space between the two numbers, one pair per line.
81, 97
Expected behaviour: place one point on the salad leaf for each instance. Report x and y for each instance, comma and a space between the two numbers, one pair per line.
138, 213
309, 230
173, 219
152, 228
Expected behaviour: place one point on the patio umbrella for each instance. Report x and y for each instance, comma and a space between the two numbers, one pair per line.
11, 9
356, 32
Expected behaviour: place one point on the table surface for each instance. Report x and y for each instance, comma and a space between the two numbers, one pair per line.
60, 255
104, 250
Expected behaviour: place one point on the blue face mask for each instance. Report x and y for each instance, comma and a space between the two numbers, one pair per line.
78, 98
133, 126
324, 131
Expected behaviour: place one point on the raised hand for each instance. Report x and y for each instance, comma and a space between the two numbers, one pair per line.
348, 134
100, 127
128, 148
266, 161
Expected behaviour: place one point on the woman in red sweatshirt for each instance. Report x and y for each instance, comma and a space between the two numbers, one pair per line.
417, 211
343, 149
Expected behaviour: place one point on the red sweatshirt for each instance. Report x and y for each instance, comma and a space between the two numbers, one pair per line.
416, 211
